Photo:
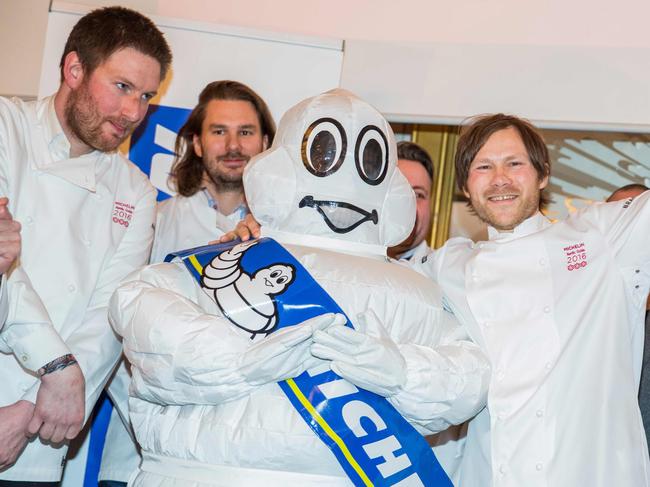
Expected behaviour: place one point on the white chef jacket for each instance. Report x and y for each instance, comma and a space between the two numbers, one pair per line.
558, 309
186, 222
417, 252
86, 223
197, 423
181, 223
26, 330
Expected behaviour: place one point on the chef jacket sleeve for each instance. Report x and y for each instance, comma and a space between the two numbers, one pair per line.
447, 376
28, 332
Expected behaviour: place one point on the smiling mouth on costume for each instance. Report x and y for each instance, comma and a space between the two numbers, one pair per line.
339, 216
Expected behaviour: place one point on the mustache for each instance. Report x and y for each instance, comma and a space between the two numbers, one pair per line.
233, 155
508, 190
127, 125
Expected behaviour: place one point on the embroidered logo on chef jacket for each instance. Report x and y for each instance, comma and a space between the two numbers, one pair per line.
247, 300
122, 213
627, 203
576, 256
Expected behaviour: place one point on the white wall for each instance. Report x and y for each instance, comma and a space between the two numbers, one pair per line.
22, 37
562, 63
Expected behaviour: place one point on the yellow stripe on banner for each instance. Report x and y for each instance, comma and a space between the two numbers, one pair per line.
330, 432
195, 262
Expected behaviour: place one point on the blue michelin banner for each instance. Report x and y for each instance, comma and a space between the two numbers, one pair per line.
260, 287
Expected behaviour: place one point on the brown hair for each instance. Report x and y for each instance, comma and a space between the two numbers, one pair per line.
187, 172
413, 152
474, 135
105, 31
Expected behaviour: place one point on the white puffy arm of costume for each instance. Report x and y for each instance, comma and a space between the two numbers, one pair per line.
433, 384
181, 354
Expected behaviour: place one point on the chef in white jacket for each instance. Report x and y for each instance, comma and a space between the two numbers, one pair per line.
547, 302
229, 125
87, 220
205, 405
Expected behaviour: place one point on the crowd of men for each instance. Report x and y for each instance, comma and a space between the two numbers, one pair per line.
558, 311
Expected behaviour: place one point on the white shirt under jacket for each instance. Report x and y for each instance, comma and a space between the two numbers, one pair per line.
558, 309
86, 223
181, 223
186, 222
196, 424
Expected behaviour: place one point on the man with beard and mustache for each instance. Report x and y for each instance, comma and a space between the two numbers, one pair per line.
229, 125
545, 302
87, 221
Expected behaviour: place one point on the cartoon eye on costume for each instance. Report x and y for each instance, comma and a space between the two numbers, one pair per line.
371, 155
323, 147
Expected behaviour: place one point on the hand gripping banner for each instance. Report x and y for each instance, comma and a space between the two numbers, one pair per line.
260, 287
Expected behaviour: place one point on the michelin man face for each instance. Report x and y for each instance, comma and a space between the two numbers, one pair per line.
273, 279
332, 172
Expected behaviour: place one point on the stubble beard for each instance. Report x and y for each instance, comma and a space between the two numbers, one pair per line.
224, 181
85, 121
530, 207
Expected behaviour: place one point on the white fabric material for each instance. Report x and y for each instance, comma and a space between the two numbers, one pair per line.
181, 223
186, 405
186, 222
416, 253
565, 345
278, 181
73, 251
28, 332
4, 305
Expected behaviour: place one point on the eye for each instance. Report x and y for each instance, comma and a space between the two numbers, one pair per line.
282, 280
275, 274
323, 147
371, 155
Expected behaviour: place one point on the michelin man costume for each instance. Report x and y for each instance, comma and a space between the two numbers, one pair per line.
205, 404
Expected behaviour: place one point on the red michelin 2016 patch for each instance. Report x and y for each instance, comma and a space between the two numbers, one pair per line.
122, 213
576, 256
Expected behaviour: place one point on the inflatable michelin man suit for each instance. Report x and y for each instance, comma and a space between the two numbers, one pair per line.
332, 172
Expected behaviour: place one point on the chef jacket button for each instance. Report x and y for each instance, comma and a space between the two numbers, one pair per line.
29, 220
539, 413
500, 375
502, 469
86, 242
501, 416
636, 287
547, 366
98, 196
72, 288
24, 358
539, 467
486, 324
542, 262
547, 309
637, 270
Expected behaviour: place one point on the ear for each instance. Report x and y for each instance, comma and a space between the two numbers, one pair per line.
544, 181
466, 193
196, 143
73, 71
265, 143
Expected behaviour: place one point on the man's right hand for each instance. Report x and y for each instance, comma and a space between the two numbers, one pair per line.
13, 431
9, 237
245, 230
60, 405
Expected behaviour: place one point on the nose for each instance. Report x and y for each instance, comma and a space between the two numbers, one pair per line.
500, 176
233, 142
132, 109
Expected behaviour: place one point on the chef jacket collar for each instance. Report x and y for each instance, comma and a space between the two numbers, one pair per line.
79, 171
533, 224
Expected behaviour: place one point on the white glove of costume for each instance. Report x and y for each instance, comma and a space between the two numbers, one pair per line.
285, 353
367, 357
